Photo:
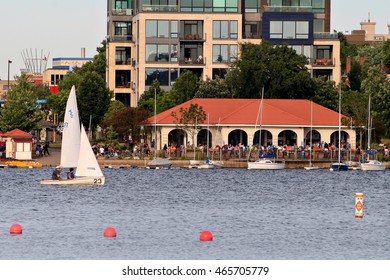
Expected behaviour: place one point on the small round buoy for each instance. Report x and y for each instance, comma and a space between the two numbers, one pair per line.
15, 229
206, 236
110, 232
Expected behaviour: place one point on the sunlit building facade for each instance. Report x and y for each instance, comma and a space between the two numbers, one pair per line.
159, 39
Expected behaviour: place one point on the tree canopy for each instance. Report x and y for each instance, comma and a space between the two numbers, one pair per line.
21, 110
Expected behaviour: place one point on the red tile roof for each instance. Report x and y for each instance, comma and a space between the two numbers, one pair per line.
17, 133
276, 112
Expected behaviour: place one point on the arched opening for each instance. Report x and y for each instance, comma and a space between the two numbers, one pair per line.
334, 138
176, 137
287, 137
238, 136
266, 138
316, 137
202, 138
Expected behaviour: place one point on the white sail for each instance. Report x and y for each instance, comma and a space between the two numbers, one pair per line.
71, 132
87, 163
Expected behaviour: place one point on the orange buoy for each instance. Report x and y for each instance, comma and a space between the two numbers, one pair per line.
206, 236
110, 232
358, 205
15, 229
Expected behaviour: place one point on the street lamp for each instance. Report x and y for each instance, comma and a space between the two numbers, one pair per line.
9, 62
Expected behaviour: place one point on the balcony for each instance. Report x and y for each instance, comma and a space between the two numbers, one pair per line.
192, 37
159, 8
325, 35
190, 61
320, 62
122, 12
289, 9
120, 38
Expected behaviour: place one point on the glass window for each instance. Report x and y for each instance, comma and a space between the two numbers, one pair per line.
224, 29
174, 28
220, 53
319, 25
122, 78
163, 53
219, 5
288, 29
220, 72
276, 29
233, 29
216, 29
151, 52
302, 29
122, 28
122, 55
232, 6
174, 53
174, 75
233, 53
151, 29
163, 29
252, 6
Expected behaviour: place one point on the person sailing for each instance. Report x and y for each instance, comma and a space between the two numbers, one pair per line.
57, 173
70, 174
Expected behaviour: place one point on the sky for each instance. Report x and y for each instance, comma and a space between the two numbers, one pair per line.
54, 28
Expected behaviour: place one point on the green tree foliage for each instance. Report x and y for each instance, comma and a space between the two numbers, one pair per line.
93, 96
326, 93
185, 87
216, 88
276, 67
114, 107
125, 120
21, 110
377, 86
189, 119
165, 100
346, 50
386, 53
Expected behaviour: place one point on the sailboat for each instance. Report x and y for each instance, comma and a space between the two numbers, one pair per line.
263, 162
339, 166
311, 166
157, 163
371, 164
76, 150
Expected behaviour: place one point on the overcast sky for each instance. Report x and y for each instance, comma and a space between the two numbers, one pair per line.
61, 28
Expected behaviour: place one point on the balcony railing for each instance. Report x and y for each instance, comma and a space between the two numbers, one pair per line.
159, 8
191, 37
122, 12
120, 38
325, 35
190, 61
323, 62
293, 9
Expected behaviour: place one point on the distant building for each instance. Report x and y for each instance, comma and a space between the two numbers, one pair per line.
367, 34
60, 67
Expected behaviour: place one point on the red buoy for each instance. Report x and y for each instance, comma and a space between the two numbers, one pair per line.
206, 236
15, 229
110, 232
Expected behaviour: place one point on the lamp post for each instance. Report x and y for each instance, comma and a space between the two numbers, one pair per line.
9, 62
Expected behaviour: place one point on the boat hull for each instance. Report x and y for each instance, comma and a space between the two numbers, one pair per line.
266, 165
159, 163
76, 181
311, 167
339, 167
372, 165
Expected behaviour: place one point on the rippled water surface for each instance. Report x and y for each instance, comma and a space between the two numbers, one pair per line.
159, 214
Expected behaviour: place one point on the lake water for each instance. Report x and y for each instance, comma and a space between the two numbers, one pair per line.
159, 214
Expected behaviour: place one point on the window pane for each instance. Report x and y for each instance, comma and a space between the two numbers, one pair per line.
174, 75
224, 29
174, 28
151, 28
151, 52
216, 29
217, 58
233, 53
174, 53
276, 27
233, 29
319, 25
289, 29
302, 27
163, 54
163, 28
163, 76
224, 53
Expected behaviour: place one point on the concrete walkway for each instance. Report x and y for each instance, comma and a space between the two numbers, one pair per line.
53, 159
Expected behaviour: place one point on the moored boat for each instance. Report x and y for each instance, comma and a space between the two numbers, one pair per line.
372, 165
24, 164
265, 164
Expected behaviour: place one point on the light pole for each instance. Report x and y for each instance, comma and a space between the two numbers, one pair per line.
9, 62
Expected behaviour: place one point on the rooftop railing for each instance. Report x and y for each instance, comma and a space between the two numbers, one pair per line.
122, 12
159, 8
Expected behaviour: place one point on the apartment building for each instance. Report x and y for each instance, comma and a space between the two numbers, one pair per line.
159, 39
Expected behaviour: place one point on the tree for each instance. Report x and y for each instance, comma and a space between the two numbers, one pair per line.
21, 110
93, 96
185, 87
377, 86
189, 119
125, 120
216, 88
326, 93
277, 68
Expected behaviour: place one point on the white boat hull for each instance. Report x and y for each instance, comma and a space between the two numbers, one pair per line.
206, 166
311, 167
76, 181
266, 165
372, 165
